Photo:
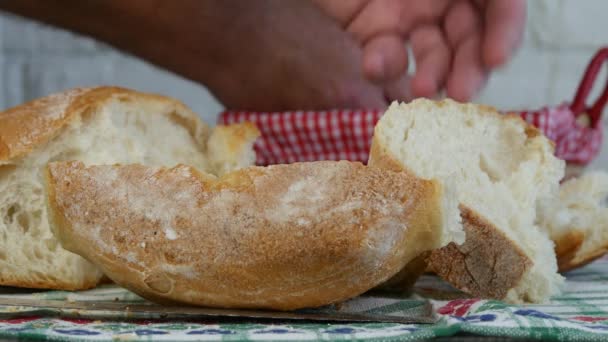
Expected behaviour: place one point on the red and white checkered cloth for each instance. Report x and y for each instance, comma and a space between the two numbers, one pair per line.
289, 137
574, 143
298, 136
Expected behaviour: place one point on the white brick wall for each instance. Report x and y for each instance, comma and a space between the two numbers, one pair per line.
561, 37
568, 23
36, 60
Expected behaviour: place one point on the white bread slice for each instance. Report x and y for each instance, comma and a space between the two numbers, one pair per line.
278, 237
577, 220
98, 125
502, 168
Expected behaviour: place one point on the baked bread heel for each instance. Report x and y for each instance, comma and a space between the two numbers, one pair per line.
280, 237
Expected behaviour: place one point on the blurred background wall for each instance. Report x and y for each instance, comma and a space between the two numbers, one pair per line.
561, 37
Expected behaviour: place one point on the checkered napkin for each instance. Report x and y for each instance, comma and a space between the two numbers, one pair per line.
298, 136
575, 140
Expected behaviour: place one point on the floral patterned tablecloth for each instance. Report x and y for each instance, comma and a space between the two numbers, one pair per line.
580, 313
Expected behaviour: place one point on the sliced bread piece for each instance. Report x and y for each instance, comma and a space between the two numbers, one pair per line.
279, 237
577, 220
501, 168
97, 125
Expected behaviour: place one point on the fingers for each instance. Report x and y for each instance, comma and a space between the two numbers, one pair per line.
399, 89
352, 91
505, 23
394, 16
433, 57
468, 71
461, 21
462, 26
385, 58
479, 35
343, 92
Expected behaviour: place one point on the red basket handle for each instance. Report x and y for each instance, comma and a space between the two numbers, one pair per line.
578, 106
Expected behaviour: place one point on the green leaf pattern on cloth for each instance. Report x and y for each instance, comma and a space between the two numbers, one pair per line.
580, 313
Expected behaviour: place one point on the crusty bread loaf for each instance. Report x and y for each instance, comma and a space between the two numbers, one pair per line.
98, 125
279, 237
502, 168
577, 220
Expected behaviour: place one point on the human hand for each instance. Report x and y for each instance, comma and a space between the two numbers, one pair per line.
285, 55
456, 43
263, 55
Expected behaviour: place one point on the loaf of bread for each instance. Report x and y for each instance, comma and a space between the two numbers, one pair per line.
577, 220
97, 126
279, 237
502, 169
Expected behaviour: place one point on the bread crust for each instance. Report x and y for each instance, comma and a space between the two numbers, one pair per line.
49, 283
568, 246
577, 242
487, 265
404, 280
28, 126
280, 237
228, 147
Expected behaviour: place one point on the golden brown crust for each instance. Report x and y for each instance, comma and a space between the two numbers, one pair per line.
230, 147
238, 134
405, 279
55, 283
282, 237
567, 264
487, 265
32, 124
381, 158
35, 122
581, 196
567, 248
